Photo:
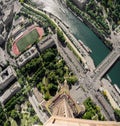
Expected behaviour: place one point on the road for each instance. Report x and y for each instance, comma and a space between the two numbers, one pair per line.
69, 58
41, 115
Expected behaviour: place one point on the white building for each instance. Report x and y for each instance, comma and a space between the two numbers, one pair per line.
46, 43
7, 76
10, 92
27, 56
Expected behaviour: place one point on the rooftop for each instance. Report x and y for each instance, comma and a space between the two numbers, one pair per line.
26, 56
62, 121
38, 95
2, 58
47, 42
19, 21
6, 76
9, 92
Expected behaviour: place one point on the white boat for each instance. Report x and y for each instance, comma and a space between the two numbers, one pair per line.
80, 19
62, 9
117, 88
108, 77
87, 49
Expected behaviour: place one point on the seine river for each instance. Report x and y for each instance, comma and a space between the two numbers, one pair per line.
82, 32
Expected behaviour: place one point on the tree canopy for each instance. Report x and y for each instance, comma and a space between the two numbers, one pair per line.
117, 114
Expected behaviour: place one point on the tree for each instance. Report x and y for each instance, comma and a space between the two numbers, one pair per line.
52, 89
22, 1
47, 96
59, 72
39, 85
14, 115
31, 110
48, 56
87, 115
52, 77
60, 36
7, 123
51, 66
60, 64
92, 110
72, 80
2, 115
117, 114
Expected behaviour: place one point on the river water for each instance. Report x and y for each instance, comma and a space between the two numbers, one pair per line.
82, 32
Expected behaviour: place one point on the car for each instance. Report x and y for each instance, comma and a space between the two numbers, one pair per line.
78, 102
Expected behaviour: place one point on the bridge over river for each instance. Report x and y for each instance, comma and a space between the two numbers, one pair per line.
106, 64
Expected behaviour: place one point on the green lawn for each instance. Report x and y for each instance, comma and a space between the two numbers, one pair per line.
27, 40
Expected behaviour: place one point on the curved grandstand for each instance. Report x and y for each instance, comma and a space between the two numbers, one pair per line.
26, 39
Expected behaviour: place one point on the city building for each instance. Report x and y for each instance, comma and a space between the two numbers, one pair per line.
38, 96
10, 92
19, 21
7, 76
16, 31
27, 56
8, 15
62, 121
2, 40
2, 58
1, 27
46, 43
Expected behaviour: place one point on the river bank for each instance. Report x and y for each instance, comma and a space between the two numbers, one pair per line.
92, 27
83, 54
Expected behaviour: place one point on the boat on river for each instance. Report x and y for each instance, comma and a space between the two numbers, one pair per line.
86, 48
62, 9
117, 88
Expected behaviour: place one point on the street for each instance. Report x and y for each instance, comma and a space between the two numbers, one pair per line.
41, 115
